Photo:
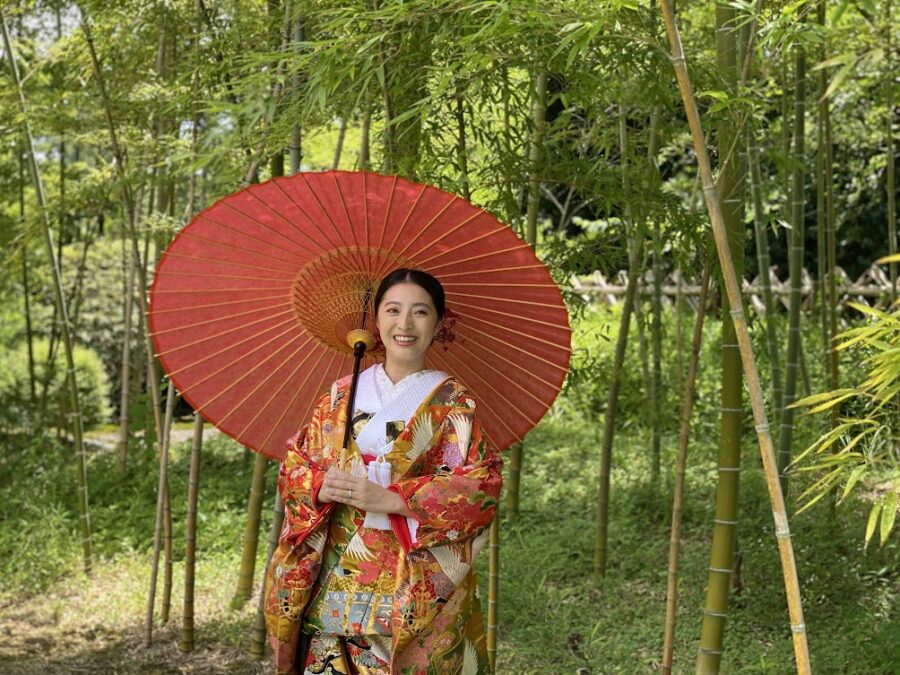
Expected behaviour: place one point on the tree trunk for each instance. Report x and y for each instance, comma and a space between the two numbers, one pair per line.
687, 404
798, 203
190, 538
733, 290
71, 380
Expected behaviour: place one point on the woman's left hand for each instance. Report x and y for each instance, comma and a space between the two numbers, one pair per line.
361, 493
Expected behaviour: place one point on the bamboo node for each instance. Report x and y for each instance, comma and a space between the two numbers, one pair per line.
734, 469
723, 521
714, 652
724, 409
737, 313
723, 570
709, 612
798, 628
760, 428
783, 534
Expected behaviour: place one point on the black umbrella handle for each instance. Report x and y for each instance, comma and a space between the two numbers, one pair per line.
360, 340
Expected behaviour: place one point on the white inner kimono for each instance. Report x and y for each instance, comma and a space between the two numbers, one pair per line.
390, 404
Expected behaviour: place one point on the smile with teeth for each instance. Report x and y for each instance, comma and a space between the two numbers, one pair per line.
404, 339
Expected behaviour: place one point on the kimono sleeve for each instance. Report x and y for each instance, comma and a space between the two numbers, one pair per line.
460, 497
302, 473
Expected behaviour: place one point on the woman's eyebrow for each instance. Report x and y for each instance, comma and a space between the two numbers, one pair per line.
415, 304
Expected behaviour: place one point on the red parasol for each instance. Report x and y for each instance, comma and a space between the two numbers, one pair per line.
253, 300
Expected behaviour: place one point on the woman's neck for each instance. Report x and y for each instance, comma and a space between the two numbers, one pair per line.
398, 371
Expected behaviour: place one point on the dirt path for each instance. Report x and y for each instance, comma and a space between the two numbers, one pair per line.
95, 626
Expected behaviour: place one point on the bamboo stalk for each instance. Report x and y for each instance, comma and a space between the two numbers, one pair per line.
657, 340
724, 536
26, 291
679, 328
462, 159
538, 116
161, 491
244, 588
687, 404
296, 83
130, 206
762, 253
258, 635
190, 538
798, 203
364, 163
124, 394
889, 141
71, 379
339, 147
493, 593
782, 529
635, 255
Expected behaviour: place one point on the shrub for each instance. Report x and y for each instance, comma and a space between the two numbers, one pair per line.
16, 408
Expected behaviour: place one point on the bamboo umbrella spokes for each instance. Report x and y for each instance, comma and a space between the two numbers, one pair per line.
767, 451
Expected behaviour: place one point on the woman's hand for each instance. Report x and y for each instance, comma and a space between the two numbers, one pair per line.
361, 493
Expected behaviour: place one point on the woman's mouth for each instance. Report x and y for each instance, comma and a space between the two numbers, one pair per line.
404, 340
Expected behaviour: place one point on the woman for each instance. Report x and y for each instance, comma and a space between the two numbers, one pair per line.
374, 571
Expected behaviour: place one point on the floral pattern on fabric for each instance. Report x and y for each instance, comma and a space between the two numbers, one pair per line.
414, 584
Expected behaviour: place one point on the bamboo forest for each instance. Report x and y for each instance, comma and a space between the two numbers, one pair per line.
712, 187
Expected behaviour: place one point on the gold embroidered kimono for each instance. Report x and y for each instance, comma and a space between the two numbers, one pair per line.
411, 590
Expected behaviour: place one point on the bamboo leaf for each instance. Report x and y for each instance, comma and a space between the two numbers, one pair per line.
839, 79
829, 404
888, 515
853, 479
865, 309
873, 520
822, 396
888, 259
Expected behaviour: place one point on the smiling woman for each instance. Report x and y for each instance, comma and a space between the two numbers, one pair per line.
374, 572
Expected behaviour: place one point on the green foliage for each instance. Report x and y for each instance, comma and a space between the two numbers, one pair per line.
18, 410
863, 450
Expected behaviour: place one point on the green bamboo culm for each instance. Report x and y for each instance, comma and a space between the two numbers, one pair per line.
538, 119
687, 403
258, 634
71, 380
730, 192
635, 254
795, 262
754, 387
190, 538
889, 143
251, 532
493, 615
762, 257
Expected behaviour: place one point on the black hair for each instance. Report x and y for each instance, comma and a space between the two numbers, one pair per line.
418, 277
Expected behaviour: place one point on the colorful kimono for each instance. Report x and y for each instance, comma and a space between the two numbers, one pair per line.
407, 593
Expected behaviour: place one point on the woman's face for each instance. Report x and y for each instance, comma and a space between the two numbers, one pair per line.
407, 321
